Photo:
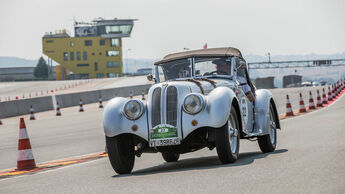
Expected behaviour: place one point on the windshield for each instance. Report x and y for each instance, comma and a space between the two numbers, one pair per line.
204, 66
176, 69
212, 66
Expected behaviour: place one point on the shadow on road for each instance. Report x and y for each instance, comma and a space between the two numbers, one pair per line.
209, 162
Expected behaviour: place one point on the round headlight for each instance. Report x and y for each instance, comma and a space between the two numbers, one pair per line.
133, 109
193, 104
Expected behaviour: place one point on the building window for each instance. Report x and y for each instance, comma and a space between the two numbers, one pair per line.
84, 76
100, 75
65, 56
100, 53
93, 54
85, 55
82, 65
112, 53
88, 42
78, 56
96, 66
113, 75
113, 64
102, 42
49, 41
71, 44
71, 55
114, 42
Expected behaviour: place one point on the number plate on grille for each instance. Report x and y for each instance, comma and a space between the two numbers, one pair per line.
164, 135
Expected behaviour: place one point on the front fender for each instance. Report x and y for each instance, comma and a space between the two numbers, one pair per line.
263, 98
115, 123
215, 114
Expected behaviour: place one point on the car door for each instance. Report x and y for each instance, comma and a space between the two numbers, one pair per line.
247, 107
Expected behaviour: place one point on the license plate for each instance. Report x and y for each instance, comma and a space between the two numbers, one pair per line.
165, 142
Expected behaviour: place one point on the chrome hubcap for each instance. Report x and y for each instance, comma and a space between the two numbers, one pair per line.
233, 134
272, 129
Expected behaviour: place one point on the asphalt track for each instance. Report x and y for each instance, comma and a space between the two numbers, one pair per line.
309, 158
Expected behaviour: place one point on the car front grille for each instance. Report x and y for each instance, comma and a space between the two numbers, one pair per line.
170, 106
156, 107
171, 103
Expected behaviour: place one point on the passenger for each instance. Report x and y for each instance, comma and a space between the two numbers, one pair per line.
224, 68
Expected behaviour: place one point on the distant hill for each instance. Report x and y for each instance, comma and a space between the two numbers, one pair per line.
16, 62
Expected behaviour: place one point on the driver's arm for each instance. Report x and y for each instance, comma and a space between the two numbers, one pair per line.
246, 88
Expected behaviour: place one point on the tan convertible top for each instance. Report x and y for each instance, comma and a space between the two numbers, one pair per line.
211, 52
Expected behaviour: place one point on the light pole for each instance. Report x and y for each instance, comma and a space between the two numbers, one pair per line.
127, 59
269, 57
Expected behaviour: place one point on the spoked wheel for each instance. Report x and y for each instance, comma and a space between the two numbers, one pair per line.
267, 143
170, 156
228, 139
121, 153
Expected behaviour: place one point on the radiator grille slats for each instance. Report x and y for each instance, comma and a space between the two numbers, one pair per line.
171, 106
170, 102
156, 107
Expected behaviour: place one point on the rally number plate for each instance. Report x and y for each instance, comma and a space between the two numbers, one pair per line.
165, 142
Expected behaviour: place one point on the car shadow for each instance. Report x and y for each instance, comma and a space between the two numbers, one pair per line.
209, 162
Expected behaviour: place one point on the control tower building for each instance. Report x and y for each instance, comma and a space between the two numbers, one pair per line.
95, 51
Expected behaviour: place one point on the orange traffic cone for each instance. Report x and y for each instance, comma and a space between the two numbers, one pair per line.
289, 111
311, 101
58, 112
32, 116
319, 103
142, 95
26, 159
324, 97
301, 104
329, 94
100, 102
81, 109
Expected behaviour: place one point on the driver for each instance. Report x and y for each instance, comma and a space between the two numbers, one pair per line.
224, 68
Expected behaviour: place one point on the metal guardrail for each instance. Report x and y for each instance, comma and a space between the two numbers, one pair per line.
297, 64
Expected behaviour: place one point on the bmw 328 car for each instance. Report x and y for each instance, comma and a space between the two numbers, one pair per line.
199, 99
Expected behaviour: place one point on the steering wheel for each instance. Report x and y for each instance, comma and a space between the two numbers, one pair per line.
216, 73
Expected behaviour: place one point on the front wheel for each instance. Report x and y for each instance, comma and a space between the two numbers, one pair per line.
267, 143
228, 139
170, 157
121, 153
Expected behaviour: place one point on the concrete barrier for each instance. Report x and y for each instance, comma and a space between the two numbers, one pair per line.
21, 107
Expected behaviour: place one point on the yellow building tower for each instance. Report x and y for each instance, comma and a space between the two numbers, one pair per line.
95, 51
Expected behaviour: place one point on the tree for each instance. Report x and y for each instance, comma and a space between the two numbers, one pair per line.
41, 69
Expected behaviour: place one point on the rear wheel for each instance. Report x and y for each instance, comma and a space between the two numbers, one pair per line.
170, 157
267, 143
121, 153
228, 139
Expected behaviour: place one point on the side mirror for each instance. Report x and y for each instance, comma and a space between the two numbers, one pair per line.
149, 77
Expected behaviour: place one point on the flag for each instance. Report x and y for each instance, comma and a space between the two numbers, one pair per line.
205, 46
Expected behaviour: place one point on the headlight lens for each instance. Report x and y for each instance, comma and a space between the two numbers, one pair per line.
133, 109
193, 104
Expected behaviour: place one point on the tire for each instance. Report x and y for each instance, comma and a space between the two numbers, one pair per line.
121, 153
170, 157
267, 143
228, 145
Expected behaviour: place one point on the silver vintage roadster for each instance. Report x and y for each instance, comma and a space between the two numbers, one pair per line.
201, 98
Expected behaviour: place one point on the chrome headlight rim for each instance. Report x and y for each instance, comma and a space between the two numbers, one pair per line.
141, 111
202, 104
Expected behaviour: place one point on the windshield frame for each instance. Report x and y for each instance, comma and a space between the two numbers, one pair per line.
192, 65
